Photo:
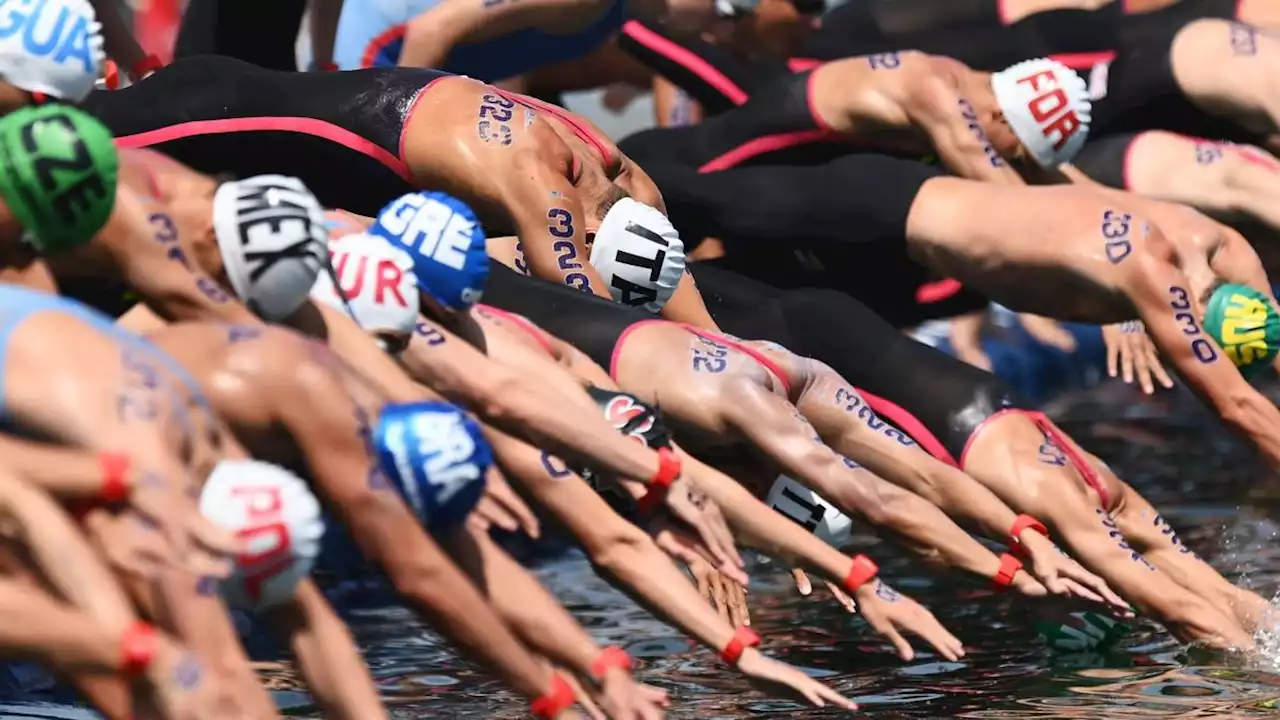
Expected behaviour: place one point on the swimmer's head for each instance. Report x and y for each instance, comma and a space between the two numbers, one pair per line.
379, 289
277, 519
1245, 325
58, 175
436, 457
1046, 106
273, 241
67, 58
639, 255
447, 245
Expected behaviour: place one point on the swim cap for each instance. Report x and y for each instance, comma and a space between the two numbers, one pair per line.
377, 281
808, 509
277, 521
52, 47
446, 242
1245, 324
271, 232
638, 253
436, 457
58, 174
1047, 105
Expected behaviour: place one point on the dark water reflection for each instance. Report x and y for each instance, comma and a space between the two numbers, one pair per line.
1165, 447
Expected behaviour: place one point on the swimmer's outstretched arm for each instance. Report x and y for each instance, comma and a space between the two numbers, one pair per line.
172, 286
327, 655
522, 406
845, 421
1161, 295
788, 439
329, 435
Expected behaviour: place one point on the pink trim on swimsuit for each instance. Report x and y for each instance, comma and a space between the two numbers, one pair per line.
808, 101
524, 324
937, 291
909, 424
799, 65
1002, 11
1084, 61
761, 146
1051, 432
686, 59
617, 346
607, 156
302, 125
413, 107
1128, 157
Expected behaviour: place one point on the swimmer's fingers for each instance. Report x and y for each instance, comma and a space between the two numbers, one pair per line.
1157, 367
718, 595
1126, 359
655, 695
585, 699
1076, 575
842, 598
1142, 367
495, 514
739, 612
802, 581
1111, 338
497, 489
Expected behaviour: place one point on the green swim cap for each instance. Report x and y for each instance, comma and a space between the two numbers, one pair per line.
58, 174
1245, 324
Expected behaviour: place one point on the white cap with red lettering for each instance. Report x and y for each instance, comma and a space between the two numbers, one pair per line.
277, 520
1047, 105
377, 280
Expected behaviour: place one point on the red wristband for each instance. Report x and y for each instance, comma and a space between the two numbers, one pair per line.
743, 638
669, 469
115, 477
138, 646
111, 75
609, 658
556, 700
328, 67
860, 574
150, 63
1009, 567
1024, 522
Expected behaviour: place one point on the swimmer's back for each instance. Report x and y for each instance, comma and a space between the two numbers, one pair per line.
339, 132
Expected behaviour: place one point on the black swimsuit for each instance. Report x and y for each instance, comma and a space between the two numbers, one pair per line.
340, 132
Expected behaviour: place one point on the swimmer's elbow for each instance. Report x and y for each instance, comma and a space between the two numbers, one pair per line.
618, 549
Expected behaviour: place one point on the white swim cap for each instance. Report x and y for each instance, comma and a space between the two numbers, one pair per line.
1047, 105
52, 47
808, 509
377, 280
638, 253
275, 517
273, 240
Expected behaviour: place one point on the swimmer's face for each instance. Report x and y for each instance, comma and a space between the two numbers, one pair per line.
13, 97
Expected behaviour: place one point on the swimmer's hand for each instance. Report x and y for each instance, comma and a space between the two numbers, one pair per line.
622, 698
198, 544
891, 613
805, 587
726, 595
1063, 576
1131, 353
702, 515
178, 687
779, 678
501, 507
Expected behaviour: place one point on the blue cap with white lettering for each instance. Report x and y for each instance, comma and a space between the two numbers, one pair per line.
446, 242
436, 457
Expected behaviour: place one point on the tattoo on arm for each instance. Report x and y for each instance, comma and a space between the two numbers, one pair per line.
1244, 40
1115, 231
1208, 153
709, 356
430, 334
854, 404
1114, 532
975, 126
1180, 301
494, 115
885, 61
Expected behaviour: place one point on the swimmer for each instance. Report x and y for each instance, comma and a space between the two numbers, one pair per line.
972, 420
64, 609
1066, 253
528, 167
294, 402
982, 126
763, 417
442, 354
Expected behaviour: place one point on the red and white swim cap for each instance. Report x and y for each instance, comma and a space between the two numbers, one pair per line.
377, 281
1047, 105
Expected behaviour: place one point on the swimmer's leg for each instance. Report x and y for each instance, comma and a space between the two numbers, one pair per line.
1148, 532
1230, 69
1015, 458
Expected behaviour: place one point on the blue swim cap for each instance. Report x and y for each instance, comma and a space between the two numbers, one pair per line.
446, 242
436, 457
